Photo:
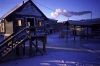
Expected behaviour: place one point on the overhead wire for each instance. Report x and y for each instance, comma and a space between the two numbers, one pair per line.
53, 10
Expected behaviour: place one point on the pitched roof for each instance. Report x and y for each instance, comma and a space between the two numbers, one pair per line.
84, 22
52, 19
12, 10
76, 22
18, 6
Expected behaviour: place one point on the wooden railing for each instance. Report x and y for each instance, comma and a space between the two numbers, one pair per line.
6, 38
11, 42
12, 37
15, 40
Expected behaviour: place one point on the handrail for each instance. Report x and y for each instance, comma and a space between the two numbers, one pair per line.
6, 38
25, 39
3, 44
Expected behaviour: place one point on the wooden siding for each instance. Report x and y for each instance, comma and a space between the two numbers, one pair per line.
9, 27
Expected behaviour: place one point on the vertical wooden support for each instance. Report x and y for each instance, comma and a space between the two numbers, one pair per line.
23, 48
30, 41
74, 32
44, 45
17, 50
87, 33
81, 35
45, 39
36, 45
30, 48
67, 35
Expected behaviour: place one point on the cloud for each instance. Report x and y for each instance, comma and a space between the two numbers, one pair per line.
67, 13
54, 14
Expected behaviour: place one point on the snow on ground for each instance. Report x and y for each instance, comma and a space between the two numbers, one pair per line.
61, 53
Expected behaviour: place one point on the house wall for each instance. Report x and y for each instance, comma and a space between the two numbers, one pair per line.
8, 27
1, 27
28, 10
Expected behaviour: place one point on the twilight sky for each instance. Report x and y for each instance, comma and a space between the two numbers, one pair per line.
60, 9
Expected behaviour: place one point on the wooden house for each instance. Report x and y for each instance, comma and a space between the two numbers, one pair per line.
22, 15
89, 28
84, 27
51, 25
20, 23
2, 27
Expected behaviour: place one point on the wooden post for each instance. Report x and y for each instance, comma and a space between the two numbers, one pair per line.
30, 47
44, 45
23, 48
87, 33
74, 32
17, 50
36, 45
81, 35
30, 41
67, 35
37, 48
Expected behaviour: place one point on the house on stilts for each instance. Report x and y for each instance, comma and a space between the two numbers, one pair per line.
23, 23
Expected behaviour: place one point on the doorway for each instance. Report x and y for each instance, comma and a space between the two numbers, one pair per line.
30, 21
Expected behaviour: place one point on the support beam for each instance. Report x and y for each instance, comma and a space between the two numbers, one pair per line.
17, 50
36, 45
23, 48
67, 35
30, 47
74, 33
87, 33
81, 36
44, 45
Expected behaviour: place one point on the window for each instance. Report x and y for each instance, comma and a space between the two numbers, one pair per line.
20, 23
39, 23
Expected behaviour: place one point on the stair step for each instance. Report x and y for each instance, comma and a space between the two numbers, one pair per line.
8, 49
5, 51
14, 45
11, 43
17, 42
2, 54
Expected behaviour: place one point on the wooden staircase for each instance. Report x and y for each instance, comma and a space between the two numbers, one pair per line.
12, 42
15, 40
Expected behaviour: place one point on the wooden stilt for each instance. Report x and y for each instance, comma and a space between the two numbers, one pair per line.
30, 47
36, 48
81, 35
17, 50
45, 39
74, 33
23, 48
87, 33
67, 35
44, 45
36, 45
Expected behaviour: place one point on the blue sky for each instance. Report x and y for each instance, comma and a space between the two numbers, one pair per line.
68, 5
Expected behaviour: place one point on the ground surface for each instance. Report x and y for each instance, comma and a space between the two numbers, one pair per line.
61, 53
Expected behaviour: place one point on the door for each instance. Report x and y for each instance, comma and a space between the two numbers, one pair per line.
30, 21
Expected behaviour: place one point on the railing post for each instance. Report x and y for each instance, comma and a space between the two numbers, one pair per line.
12, 46
27, 31
30, 41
